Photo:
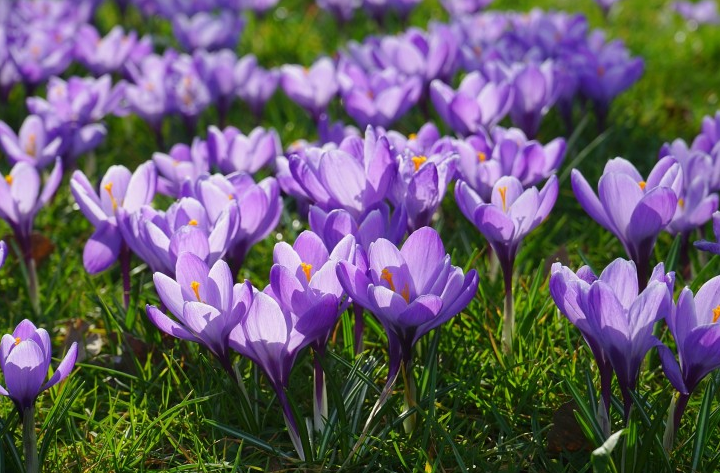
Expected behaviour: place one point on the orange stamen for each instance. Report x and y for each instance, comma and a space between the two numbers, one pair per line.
9, 179
642, 184
195, 286
31, 146
482, 157
412, 136
385, 274
716, 314
418, 161
405, 293
17, 341
108, 188
503, 193
681, 203
306, 269
193, 223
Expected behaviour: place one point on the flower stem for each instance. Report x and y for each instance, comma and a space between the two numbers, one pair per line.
125, 270
410, 397
25, 242
32, 464
509, 313
291, 423
320, 405
359, 327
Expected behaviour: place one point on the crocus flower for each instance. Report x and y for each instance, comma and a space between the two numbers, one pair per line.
312, 88
189, 93
232, 151
411, 291
703, 12
459, 8
511, 214
208, 31
376, 98
33, 144
255, 85
25, 359
634, 209
104, 55
159, 238
614, 318
147, 96
304, 275
205, 304
711, 246
343, 10
39, 54
709, 134
477, 102
216, 69
694, 327
506, 152
272, 338
535, 92
181, 164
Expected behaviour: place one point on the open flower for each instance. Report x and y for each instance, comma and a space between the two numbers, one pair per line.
33, 144
232, 151
25, 359
312, 88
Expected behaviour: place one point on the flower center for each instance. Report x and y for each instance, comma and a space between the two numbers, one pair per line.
108, 188
9, 179
193, 223
31, 146
385, 274
600, 71
405, 293
681, 203
642, 184
231, 197
195, 286
418, 161
412, 136
482, 157
17, 341
503, 193
306, 269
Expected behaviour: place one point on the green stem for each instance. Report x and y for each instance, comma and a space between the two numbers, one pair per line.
32, 464
410, 397
508, 315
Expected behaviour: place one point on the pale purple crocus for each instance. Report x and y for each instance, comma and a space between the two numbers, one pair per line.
159, 238
189, 94
182, 163
208, 31
510, 215
205, 304
147, 96
312, 88
39, 54
233, 151
461, 8
255, 85
216, 69
21, 198
411, 291
477, 103
25, 357
304, 275
535, 92
615, 318
485, 158
632, 208
694, 327
272, 338
119, 188
699, 13
709, 135
104, 55
33, 143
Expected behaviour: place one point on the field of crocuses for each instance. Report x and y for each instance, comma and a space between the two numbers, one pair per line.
359, 235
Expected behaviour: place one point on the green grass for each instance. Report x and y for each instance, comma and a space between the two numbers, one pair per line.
140, 401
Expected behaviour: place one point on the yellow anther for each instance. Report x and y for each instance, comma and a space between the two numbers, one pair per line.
482, 157
306, 71
716, 313
176, 163
9, 179
195, 286
370, 94
193, 223
306, 269
31, 146
385, 274
17, 341
600, 71
35, 51
642, 184
412, 136
418, 161
231, 197
681, 203
405, 293
108, 187
149, 86
503, 193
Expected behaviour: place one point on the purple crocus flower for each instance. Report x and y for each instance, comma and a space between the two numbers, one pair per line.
159, 238
511, 214
702, 12
258, 206
711, 246
303, 276
506, 152
189, 93
376, 98
635, 210
694, 327
272, 337
206, 305
460, 8
216, 70
312, 88
33, 144
614, 318
232, 151
411, 291
255, 85
709, 134
25, 357
104, 55
477, 102
535, 92
182, 163
39, 54
343, 10
147, 97
208, 31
